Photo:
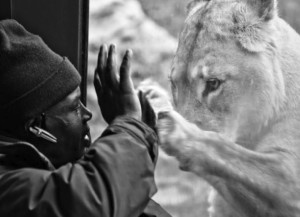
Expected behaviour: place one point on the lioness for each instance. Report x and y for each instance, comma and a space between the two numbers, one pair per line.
236, 81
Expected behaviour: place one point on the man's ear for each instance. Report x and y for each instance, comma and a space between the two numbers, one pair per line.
266, 9
33, 127
34, 122
28, 124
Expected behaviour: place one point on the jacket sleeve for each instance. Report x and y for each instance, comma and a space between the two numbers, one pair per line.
114, 179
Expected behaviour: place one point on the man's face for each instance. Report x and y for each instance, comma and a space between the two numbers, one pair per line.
67, 121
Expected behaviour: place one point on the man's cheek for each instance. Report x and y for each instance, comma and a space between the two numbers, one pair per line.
76, 131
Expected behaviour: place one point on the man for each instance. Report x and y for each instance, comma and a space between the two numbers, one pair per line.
47, 166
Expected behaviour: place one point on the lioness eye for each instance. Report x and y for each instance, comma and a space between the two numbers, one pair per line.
212, 84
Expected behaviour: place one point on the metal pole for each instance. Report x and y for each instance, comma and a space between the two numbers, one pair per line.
83, 55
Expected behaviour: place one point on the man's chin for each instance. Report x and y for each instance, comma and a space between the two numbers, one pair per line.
86, 141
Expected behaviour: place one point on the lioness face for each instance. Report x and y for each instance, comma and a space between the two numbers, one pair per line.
221, 80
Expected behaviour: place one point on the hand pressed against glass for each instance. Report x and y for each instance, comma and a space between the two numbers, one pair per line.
115, 91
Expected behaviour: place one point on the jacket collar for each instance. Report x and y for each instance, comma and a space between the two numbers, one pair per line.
19, 154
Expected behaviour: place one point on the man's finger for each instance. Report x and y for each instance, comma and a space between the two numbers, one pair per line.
111, 72
101, 65
98, 85
126, 84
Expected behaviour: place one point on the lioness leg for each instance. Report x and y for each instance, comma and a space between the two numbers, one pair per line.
257, 184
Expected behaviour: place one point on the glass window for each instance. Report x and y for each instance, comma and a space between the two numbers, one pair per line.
151, 29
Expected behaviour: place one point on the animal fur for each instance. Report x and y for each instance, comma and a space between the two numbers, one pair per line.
243, 137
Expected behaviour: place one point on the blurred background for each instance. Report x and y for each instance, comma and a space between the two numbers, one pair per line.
151, 28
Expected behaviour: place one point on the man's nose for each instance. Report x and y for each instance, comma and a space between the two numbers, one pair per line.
86, 113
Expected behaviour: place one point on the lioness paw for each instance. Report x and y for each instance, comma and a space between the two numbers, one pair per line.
167, 131
185, 141
157, 96
175, 134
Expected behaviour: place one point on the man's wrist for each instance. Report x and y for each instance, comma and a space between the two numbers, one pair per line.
133, 115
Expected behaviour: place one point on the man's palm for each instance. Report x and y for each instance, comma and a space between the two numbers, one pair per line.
116, 94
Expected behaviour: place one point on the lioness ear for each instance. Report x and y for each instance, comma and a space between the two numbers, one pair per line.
253, 30
193, 3
267, 9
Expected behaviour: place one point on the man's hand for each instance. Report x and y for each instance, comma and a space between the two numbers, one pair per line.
115, 91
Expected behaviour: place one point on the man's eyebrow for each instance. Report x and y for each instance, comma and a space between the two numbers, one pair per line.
76, 100
78, 95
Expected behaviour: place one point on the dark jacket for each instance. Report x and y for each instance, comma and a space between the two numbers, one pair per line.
113, 179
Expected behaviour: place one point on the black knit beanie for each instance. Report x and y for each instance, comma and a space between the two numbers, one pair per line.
32, 77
